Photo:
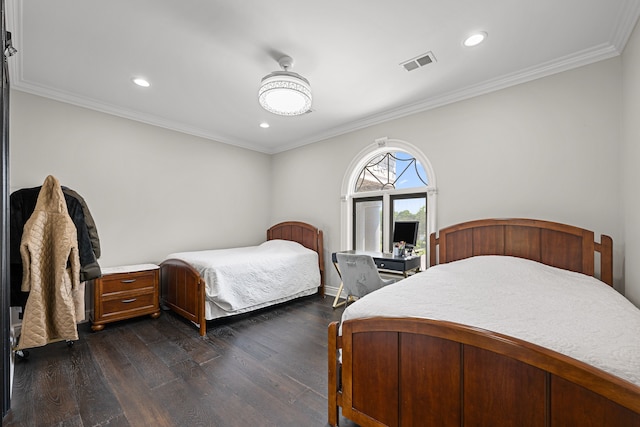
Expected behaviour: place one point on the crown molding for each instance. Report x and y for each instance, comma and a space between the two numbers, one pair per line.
627, 19
576, 60
569, 62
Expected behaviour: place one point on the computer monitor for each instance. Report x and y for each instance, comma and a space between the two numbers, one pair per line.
405, 231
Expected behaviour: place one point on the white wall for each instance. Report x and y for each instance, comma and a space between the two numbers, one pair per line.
151, 191
547, 149
630, 160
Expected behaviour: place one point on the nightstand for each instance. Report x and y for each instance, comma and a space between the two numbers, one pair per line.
124, 292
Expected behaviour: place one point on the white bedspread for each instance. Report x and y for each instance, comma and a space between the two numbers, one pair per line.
241, 278
571, 313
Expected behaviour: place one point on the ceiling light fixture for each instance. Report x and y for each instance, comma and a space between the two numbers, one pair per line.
475, 39
284, 92
141, 82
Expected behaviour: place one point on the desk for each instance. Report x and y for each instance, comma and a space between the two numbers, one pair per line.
384, 262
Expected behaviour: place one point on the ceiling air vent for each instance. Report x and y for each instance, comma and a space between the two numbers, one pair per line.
419, 61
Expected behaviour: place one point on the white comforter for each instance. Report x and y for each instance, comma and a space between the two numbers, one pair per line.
240, 278
571, 313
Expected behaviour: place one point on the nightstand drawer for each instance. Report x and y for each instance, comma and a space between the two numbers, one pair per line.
128, 281
127, 303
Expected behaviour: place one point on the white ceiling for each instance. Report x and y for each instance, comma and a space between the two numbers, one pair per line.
205, 58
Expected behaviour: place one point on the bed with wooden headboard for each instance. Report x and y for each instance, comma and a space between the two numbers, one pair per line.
184, 288
403, 356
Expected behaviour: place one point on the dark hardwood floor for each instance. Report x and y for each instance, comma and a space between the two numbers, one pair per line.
264, 369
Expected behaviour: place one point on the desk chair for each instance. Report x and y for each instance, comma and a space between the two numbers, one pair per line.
360, 275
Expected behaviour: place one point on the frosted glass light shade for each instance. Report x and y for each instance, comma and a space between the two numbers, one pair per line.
285, 93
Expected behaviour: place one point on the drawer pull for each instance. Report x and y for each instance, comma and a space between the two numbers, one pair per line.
128, 281
127, 301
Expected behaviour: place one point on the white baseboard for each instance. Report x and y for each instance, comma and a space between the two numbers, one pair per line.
333, 291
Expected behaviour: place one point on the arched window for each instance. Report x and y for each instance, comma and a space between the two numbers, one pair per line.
388, 182
391, 171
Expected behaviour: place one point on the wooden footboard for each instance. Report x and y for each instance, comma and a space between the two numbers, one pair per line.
423, 372
183, 291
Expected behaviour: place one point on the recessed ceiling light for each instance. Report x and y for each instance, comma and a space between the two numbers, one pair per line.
264, 125
475, 39
141, 82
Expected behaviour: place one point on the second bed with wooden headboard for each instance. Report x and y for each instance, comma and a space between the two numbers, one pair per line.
205, 285
510, 328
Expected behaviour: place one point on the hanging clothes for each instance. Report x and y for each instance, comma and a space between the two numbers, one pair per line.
22, 204
50, 270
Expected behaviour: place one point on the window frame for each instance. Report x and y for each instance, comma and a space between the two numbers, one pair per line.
401, 196
380, 146
356, 200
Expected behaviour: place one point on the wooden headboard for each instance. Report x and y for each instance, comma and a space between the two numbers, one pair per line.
559, 245
306, 234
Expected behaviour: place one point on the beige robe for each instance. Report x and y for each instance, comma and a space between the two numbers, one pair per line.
51, 270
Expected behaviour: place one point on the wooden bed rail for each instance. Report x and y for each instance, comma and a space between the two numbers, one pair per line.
334, 396
559, 245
